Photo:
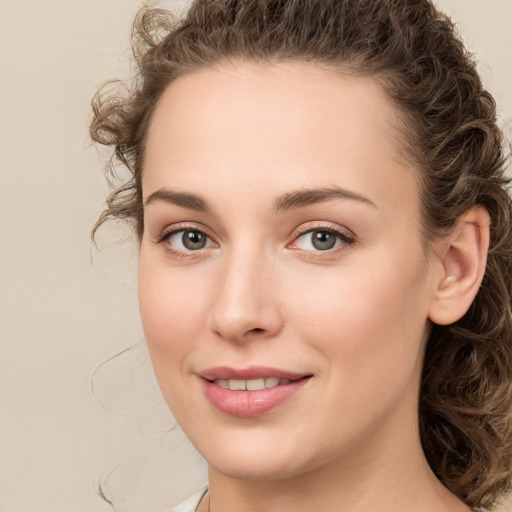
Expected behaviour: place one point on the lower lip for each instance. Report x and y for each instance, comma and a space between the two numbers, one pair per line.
248, 404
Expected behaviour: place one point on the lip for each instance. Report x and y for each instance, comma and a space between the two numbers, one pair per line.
249, 404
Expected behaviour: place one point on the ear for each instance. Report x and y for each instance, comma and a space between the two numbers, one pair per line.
462, 257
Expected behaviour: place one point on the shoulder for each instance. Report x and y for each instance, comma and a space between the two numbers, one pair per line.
191, 503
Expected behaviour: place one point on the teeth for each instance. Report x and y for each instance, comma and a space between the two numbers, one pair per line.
250, 385
255, 384
271, 382
237, 385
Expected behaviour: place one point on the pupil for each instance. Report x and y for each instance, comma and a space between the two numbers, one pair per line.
193, 240
323, 240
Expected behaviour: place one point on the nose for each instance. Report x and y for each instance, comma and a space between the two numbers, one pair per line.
245, 304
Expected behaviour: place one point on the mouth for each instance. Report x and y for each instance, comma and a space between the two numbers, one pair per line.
250, 392
251, 384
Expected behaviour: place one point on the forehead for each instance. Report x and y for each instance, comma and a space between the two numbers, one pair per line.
273, 125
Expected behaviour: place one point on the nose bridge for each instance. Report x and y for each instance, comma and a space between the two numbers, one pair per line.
245, 303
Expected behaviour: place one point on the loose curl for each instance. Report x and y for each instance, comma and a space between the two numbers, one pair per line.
449, 133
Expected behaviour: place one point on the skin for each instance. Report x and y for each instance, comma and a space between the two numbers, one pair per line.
356, 317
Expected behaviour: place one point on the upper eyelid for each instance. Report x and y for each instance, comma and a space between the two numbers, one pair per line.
308, 227
343, 238
184, 226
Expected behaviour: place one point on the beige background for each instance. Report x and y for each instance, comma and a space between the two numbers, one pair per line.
64, 307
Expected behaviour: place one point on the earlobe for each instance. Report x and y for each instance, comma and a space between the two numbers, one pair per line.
463, 257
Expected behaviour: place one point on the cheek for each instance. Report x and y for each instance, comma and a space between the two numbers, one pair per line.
172, 312
369, 321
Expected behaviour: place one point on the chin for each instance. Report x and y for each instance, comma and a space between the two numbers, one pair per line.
257, 468
262, 457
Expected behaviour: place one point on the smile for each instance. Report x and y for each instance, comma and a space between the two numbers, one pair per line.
250, 385
251, 392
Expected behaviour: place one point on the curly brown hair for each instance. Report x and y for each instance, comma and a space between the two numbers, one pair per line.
450, 134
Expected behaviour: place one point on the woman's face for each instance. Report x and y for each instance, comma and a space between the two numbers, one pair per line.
282, 253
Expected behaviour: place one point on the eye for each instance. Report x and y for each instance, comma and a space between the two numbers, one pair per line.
321, 239
186, 240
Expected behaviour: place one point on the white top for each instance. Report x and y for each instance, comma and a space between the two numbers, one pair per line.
191, 504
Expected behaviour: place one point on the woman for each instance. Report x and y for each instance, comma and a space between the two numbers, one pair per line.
325, 250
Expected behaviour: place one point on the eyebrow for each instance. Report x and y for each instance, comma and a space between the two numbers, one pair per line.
288, 201
308, 197
183, 199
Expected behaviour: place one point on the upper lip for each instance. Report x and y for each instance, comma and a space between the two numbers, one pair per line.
249, 373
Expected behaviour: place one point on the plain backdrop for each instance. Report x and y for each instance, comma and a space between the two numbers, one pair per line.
72, 418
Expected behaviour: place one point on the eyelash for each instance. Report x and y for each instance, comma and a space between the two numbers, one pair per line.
167, 234
342, 237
